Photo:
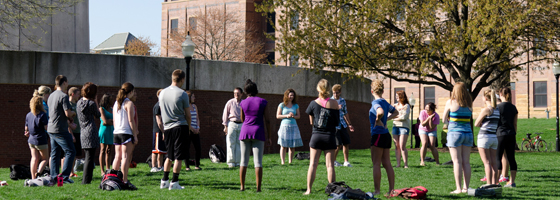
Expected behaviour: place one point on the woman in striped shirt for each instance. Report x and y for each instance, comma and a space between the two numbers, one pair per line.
460, 137
194, 133
487, 140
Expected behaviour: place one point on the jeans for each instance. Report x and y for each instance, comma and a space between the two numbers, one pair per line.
61, 142
88, 165
232, 143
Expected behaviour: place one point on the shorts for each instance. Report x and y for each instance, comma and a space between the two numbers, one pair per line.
177, 142
158, 145
400, 130
486, 142
431, 133
121, 139
457, 139
322, 141
342, 137
38, 147
381, 140
78, 144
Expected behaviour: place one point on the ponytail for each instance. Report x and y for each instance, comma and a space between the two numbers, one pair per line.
126, 88
491, 96
41, 91
506, 92
323, 88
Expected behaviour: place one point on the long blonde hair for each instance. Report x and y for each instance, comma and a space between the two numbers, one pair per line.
41, 91
323, 88
491, 95
36, 105
461, 95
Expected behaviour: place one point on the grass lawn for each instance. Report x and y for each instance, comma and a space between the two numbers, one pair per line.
538, 176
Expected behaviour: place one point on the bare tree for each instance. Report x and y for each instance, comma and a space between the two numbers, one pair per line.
142, 46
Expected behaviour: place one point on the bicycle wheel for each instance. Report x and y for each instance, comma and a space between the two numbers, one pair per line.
541, 146
526, 145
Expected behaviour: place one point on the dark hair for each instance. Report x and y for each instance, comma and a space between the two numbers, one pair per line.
431, 106
189, 93
403, 99
60, 79
106, 101
251, 88
239, 88
287, 94
126, 88
89, 90
178, 75
506, 92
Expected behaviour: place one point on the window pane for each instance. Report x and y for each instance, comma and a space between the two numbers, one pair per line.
540, 87
540, 101
174, 24
271, 19
192, 23
429, 95
512, 84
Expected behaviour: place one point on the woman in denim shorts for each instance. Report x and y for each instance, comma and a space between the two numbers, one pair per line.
460, 137
427, 130
401, 128
487, 140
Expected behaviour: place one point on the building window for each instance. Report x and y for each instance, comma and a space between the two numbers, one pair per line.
271, 20
429, 95
539, 44
174, 25
512, 86
294, 60
295, 20
539, 94
270, 57
395, 95
192, 23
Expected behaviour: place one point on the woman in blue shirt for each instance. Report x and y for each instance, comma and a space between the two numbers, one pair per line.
288, 134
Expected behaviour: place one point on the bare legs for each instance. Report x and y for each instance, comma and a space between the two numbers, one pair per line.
283, 154
423, 150
382, 156
400, 149
345, 149
123, 156
314, 162
104, 162
461, 166
36, 156
488, 157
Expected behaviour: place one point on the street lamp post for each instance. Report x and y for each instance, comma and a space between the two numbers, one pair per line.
556, 71
412, 101
188, 52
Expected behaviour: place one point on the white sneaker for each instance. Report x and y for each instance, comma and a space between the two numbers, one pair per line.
337, 164
164, 184
154, 169
347, 164
160, 169
175, 186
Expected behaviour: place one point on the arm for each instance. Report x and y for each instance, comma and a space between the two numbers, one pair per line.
225, 117
446, 111
311, 120
105, 121
403, 116
380, 114
279, 113
188, 117
515, 123
96, 112
69, 113
297, 114
133, 125
242, 116
159, 122
393, 115
430, 125
198, 120
27, 131
481, 117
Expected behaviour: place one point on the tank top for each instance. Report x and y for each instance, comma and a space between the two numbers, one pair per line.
460, 120
194, 118
120, 119
490, 123
324, 101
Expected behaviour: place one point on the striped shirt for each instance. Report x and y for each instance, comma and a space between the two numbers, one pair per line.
490, 123
460, 120
194, 118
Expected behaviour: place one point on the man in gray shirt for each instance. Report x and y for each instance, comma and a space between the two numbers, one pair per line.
60, 111
175, 114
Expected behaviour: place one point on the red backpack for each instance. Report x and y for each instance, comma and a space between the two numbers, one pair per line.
418, 192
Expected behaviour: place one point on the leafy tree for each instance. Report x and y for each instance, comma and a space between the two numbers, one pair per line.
418, 41
141, 46
18, 15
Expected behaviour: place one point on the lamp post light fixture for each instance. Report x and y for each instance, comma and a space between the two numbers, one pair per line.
556, 71
188, 52
412, 101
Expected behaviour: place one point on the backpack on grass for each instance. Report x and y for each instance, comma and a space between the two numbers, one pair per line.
217, 154
19, 171
41, 181
339, 190
112, 180
418, 192
301, 156
487, 191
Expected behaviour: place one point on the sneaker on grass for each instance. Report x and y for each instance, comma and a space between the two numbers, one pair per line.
509, 185
503, 179
347, 164
68, 180
164, 184
130, 186
175, 186
154, 169
337, 164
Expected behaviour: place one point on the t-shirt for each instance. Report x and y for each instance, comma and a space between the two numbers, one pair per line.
343, 111
156, 111
287, 111
508, 112
435, 121
36, 127
324, 120
172, 102
387, 108
58, 103
76, 121
253, 126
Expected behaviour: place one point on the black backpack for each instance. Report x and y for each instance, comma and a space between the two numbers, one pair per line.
217, 154
112, 180
301, 156
19, 172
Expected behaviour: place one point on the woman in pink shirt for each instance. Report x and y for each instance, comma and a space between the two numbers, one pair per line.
427, 130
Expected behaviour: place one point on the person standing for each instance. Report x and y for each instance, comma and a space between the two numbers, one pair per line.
507, 129
487, 120
342, 136
427, 130
125, 135
288, 134
105, 132
380, 137
44, 92
87, 111
74, 125
459, 136
194, 133
60, 111
174, 105
401, 128
36, 123
252, 133
231, 119
324, 116
158, 144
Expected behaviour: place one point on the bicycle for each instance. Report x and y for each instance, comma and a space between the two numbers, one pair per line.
535, 144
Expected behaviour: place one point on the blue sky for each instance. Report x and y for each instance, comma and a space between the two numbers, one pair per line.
139, 17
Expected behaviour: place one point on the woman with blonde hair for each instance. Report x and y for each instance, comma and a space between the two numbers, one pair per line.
401, 128
324, 116
487, 120
44, 92
36, 123
460, 136
288, 134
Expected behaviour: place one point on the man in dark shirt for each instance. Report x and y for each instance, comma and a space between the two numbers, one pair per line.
158, 146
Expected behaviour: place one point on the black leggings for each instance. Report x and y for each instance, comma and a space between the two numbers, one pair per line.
195, 140
88, 165
507, 143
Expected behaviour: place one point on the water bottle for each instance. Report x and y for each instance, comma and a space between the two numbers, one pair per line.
60, 180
